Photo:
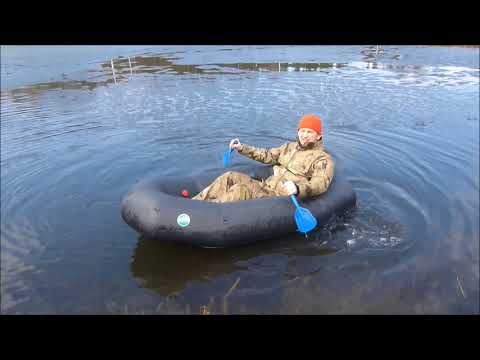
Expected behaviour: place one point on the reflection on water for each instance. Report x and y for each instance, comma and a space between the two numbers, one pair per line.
155, 266
401, 122
154, 263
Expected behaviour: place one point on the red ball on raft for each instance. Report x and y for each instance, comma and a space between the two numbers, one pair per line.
185, 193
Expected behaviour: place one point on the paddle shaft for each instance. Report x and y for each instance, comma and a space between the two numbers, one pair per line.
294, 199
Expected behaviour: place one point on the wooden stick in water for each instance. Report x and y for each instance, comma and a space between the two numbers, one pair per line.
113, 71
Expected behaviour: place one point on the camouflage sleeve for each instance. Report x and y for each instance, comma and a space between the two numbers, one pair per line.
266, 156
323, 171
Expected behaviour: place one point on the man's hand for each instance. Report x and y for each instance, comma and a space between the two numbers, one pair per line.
290, 187
235, 144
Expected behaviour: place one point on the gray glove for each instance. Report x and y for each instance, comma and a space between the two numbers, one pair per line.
235, 144
290, 187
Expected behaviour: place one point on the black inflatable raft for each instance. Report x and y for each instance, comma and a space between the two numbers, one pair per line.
155, 208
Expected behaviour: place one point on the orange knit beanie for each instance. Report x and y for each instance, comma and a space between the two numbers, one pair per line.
311, 121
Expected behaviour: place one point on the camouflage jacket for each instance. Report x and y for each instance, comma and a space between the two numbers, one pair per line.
310, 169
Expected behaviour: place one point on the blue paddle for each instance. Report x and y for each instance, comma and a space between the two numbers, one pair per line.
226, 158
303, 217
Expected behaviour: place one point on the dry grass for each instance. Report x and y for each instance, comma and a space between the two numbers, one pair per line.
169, 306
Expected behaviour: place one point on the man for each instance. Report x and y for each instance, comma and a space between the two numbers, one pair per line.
301, 168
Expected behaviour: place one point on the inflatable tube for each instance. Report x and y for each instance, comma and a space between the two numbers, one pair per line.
156, 209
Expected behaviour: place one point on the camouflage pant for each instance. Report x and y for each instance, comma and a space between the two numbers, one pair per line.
234, 186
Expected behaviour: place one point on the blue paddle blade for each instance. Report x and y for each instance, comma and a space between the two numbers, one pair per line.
226, 158
305, 220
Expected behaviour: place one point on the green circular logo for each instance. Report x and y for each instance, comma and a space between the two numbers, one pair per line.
183, 220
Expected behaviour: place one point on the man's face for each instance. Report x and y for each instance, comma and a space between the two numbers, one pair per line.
307, 136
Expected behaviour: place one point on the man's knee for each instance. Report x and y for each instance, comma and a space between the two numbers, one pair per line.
226, 175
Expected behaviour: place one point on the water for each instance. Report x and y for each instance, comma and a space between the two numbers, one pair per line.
402, 123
